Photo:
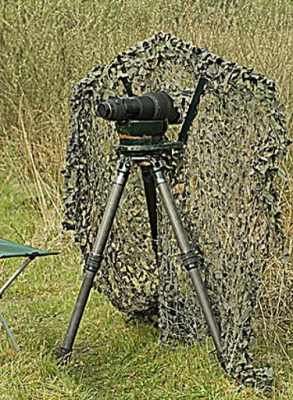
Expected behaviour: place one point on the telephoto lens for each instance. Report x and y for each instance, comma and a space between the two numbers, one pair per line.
151, 106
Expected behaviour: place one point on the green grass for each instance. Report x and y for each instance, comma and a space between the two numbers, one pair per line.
46, 47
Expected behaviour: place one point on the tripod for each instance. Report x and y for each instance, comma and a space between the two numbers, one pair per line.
148, 155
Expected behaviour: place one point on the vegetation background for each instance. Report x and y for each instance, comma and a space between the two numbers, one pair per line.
46, 47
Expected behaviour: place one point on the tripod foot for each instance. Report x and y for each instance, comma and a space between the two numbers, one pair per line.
64, 353
63, 356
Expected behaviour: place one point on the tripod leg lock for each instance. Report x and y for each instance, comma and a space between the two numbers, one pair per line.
190, 261
93, 262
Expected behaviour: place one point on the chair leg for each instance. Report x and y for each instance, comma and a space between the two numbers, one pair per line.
16, 273
9, 333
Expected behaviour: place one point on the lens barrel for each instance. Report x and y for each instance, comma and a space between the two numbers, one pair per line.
151, 106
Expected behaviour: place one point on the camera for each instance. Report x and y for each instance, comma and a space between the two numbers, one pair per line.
151, 106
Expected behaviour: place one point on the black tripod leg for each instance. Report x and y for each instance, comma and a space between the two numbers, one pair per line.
189, 258
151, 198
95, 257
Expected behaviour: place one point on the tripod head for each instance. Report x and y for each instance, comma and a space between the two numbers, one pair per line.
144, 137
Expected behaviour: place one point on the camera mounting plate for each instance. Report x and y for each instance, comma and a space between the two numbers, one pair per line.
144, 137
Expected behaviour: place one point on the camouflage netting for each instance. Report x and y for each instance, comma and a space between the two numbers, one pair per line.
223, 183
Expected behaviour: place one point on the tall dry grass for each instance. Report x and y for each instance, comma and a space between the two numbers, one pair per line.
45, 47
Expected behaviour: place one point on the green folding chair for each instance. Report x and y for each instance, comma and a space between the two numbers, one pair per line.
10, 250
